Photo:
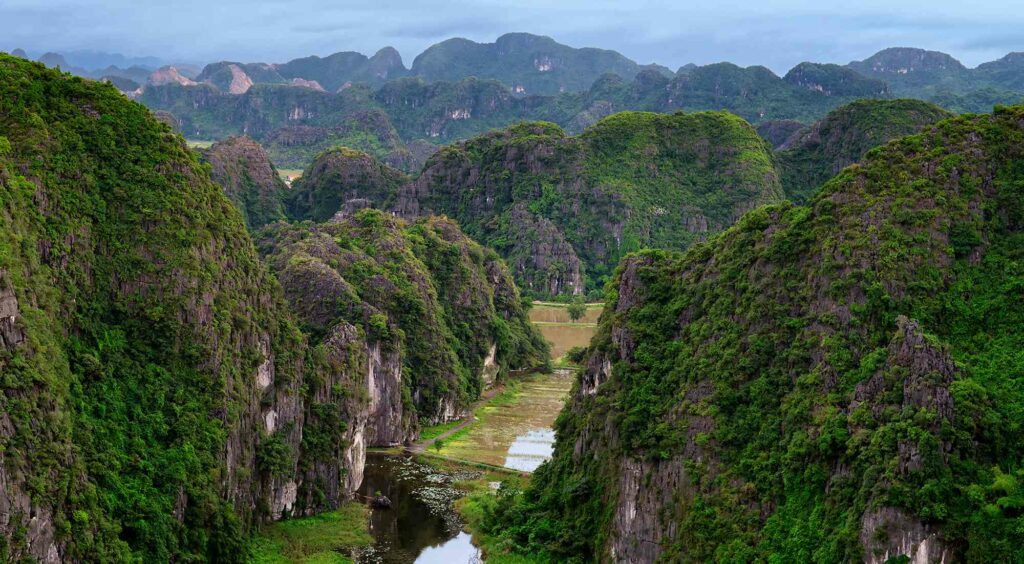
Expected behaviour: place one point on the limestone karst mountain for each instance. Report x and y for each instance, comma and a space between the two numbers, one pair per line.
163, 393
563, 210
835, 382
241, 167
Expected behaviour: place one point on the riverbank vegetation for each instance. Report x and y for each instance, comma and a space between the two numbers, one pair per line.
325, 538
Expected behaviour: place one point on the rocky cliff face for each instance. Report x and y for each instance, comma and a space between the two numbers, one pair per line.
823, 383
241, 167
562, 210
834, 80
158, 400
434, 306
812, 156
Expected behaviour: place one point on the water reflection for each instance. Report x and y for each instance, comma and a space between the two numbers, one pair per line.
518, 435
455, 551
421, 526
528, 451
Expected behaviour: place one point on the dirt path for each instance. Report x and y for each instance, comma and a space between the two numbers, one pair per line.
423, 444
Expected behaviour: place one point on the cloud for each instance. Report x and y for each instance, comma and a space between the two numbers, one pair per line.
774, 33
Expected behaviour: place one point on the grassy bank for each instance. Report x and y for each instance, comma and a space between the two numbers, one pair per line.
325, 538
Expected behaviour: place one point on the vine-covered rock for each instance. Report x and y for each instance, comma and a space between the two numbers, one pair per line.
249, 179
442, 314
342, 180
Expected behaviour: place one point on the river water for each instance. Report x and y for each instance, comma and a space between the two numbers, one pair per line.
422, 526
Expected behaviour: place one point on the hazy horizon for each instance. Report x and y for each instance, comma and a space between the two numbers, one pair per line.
777, 34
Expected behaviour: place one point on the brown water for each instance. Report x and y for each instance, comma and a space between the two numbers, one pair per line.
518, 435
564, 337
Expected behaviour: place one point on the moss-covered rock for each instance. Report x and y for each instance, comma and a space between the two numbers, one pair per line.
436, 303
249, 179
158, 399
342, 180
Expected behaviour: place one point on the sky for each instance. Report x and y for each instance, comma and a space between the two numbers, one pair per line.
774, 33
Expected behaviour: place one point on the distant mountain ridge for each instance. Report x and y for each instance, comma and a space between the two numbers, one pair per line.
459, 88
526, 63
925, 74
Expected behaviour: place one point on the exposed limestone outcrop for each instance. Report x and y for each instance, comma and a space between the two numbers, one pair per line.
169, 75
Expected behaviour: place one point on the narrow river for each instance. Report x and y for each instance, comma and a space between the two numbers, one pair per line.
422, 526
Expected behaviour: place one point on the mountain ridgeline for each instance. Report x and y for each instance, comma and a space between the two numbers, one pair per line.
163, 393
563, 210
459, 88
837, 382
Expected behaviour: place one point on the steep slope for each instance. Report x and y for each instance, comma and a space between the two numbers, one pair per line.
294, 124
834, 80
813, 156
241, 167
443, 314
153, 384
832, 383
159, 401
529, 64
1007, 72
905, 68
562, 210
342, 180
238, 78
756, 93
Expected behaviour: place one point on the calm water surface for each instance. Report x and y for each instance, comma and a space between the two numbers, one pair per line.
422, 526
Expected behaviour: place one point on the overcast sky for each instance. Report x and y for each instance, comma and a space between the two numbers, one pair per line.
774, 33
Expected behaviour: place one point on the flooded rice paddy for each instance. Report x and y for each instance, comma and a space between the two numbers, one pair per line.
516, 434
560, 331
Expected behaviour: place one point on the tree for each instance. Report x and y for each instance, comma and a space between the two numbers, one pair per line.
577, 309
